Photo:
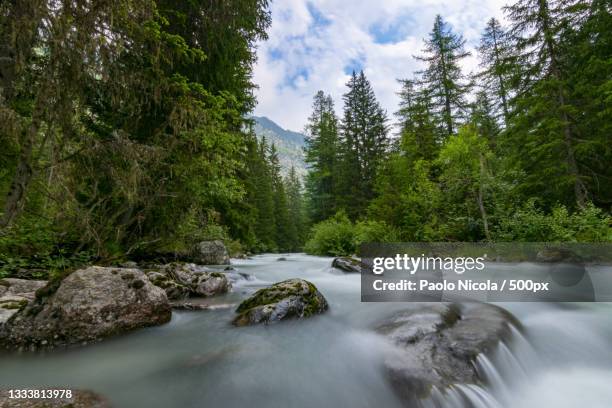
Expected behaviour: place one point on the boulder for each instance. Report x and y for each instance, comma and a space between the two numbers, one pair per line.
86, 306
210, 253
78, 399
211, 283
16, 294
293, 298
347, 264
282, 258
181, 281
436, 345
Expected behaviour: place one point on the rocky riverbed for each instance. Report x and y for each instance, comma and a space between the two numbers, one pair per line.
323, 339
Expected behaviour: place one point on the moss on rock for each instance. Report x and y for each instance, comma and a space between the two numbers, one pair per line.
293, 298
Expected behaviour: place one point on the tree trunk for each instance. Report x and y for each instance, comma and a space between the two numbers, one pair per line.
480, 200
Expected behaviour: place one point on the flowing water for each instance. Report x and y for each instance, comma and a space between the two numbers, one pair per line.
561, 358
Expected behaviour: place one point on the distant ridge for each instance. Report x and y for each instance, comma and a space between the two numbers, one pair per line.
290, 145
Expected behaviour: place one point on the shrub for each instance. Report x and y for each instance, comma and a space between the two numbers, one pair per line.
337, 236
334, 236
530, 224
31, 249
374, 231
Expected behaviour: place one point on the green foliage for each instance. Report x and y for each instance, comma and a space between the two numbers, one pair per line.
321, 154
134, 144
29, 250
334, 236
370, 231
537, 131
338, 236
362, 148
530, 224
442, 78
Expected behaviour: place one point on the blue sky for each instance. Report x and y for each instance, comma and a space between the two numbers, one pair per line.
315, 44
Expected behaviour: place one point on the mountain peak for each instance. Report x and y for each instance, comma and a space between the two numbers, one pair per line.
289, 144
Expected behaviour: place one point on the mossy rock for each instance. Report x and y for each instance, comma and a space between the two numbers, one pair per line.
174, 290
15, 303
293, 298
181, 281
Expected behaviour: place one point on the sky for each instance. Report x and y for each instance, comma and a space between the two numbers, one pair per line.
316, 44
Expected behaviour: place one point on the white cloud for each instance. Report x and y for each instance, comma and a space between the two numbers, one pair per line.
313, 42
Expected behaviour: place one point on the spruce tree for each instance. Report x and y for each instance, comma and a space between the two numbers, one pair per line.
363, 145
483, 118
420, 138
543, 134
265, 224
497, 63
282, 224
296, 227
588, 38
321, 155
443, 77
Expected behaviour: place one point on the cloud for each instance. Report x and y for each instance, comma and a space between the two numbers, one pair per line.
315, 44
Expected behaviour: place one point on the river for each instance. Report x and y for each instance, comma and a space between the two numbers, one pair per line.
562, 358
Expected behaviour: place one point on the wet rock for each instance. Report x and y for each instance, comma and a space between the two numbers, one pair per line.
211, 283
282, 258
16, 294
21, 287
437, 344
182, 281
79, 399
293, 298
210, 253
86, 306
347, 264
196, 305
552, 254
174, 290
129, 264
229, 268
9, 305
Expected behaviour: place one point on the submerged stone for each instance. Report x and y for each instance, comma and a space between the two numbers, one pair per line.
436, 345
347, 264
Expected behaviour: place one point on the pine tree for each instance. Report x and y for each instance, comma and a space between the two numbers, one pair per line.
265, 224
588, 34
498, 64
282, 236
420, 138
321, 154
483, 118
543, 133
442, 77
363, 146
295, 205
